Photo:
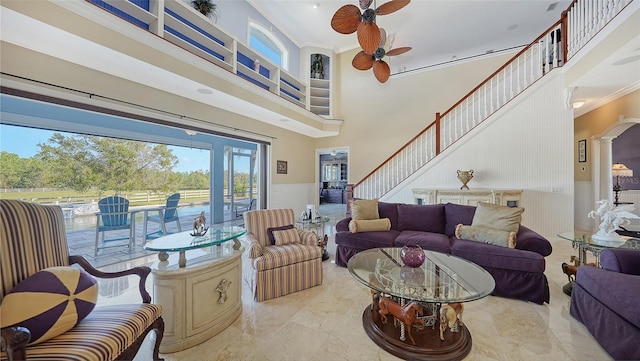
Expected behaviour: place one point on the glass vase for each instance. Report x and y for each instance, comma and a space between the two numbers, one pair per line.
412, 256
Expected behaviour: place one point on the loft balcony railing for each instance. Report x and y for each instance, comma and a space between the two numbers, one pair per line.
580, 22
180, 24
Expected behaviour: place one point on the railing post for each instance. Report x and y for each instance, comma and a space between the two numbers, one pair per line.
564, 33
437, 133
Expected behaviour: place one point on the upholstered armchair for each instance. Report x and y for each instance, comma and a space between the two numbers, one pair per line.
47, 305
280, 259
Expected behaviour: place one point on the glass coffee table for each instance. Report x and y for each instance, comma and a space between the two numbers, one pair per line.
184, 241
427, 301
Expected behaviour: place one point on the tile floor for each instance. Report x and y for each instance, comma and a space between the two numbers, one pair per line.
324, 322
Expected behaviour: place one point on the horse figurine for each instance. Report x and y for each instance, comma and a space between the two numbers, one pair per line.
451, 316
199, 225
408, 314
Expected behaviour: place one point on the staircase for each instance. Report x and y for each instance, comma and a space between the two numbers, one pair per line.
557, 45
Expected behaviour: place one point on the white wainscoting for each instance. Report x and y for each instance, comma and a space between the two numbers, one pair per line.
526, 145
295, 196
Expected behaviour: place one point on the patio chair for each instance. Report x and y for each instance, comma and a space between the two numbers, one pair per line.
240, 209
35, 258
113, 215
168, 214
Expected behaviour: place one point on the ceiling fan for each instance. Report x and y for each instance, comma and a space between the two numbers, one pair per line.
381, 70
348, 19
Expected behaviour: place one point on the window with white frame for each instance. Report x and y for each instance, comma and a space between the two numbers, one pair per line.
263, 41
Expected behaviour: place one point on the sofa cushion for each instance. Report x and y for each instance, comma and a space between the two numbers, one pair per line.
457, 214
364, 209
270, 231
488, 255
497, 217
617, 291
366, 240
426, 218
389, 210
369, 225
286, 236
280, 256
427, 240
486, 235
50, 302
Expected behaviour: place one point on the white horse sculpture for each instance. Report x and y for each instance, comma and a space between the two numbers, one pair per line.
611, 218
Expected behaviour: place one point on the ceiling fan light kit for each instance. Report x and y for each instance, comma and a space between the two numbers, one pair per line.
371, 38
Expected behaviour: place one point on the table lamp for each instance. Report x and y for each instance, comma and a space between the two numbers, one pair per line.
619, 170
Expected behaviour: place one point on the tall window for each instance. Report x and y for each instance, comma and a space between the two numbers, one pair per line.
266, 43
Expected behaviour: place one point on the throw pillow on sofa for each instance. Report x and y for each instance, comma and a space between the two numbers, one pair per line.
286, 236
364, 209
273, 229
486, 235
369, 225
50, 302
498, 217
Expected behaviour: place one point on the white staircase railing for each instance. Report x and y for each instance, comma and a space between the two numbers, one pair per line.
581, 21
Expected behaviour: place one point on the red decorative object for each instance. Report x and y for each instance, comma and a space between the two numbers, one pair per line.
412, 256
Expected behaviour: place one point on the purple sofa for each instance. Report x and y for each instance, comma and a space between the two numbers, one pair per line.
519, 272
605, 300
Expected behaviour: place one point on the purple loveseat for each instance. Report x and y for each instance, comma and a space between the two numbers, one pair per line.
519, 272
605, 300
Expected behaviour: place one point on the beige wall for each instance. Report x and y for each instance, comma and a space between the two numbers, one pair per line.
381, 118
597, 122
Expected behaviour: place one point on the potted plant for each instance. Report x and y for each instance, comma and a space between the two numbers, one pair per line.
206, 8
317, 66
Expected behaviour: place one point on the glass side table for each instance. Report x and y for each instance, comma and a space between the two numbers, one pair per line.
316, 225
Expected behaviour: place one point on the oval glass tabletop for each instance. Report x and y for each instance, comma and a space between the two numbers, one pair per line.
442, 278
184, 241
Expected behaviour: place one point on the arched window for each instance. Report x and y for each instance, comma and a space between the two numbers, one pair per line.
266, 43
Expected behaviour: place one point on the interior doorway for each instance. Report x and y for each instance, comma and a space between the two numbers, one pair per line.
332, 175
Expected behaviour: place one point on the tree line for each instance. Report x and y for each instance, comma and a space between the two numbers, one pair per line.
84, 162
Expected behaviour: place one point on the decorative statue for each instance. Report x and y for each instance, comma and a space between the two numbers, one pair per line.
465, 176
451, 317
408, 314
199, 225
222, 288
611, 217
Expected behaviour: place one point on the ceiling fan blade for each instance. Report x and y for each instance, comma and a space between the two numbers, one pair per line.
364, 4
346, 19
398, 51
362, 61
381, 70
391, 6
383, 38
368, 36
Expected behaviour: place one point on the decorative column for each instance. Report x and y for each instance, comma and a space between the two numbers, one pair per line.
606, 162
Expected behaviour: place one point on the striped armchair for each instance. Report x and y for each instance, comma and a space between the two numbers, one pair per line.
277, 270
33, 238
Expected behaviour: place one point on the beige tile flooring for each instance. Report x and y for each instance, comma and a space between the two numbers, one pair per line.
324, 322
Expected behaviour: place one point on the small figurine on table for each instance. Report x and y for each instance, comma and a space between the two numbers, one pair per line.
199, 225
322, 243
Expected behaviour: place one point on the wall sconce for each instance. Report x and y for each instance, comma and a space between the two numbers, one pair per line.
619, 170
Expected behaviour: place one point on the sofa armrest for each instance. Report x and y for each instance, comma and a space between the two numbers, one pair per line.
254, 248
14, 342
308, 237
621, 260
140, 271
343, 225
529, 240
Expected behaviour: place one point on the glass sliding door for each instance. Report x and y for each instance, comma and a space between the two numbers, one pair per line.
241, 181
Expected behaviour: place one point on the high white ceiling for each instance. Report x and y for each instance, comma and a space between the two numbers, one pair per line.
438, 31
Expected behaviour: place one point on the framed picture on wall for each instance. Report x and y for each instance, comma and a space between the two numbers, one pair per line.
582, 151
281, 166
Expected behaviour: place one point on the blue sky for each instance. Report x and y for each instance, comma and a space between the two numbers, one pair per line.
24, 142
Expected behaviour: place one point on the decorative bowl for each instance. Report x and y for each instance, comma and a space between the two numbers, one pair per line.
412, 256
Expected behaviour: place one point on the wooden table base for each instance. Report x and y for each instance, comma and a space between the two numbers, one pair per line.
428, 344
